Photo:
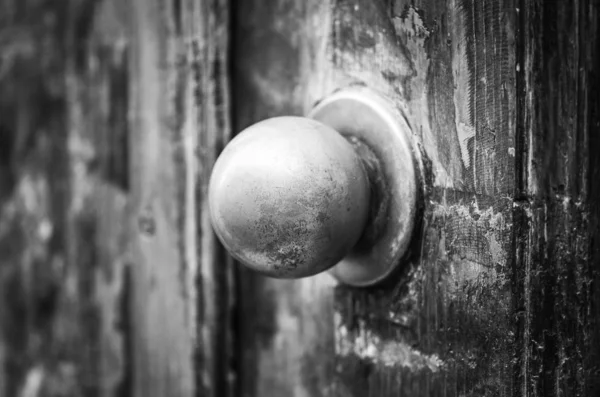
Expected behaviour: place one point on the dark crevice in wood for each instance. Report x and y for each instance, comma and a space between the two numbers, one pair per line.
220, 368
216, 284
235, 316
7, 173
125, 387
80, 28
87, 259
177, 17
116, 161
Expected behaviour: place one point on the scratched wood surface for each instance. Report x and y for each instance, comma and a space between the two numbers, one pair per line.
557, 209
111, 114
499, 295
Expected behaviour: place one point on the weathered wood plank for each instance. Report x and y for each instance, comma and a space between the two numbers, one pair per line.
63, 272
444, 326
163, 294
500, 295
181, 290
111, 115
557, 275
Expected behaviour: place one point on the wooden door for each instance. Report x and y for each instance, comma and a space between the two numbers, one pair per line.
112, 283
500, 295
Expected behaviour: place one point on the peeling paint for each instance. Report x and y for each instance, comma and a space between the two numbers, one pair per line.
364, 43
462, 87
468, 220
411, 28
389, 353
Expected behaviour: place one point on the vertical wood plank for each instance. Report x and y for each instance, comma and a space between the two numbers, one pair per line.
162, 296
557, 275
111, 115
64, 176
443, 327
181, 291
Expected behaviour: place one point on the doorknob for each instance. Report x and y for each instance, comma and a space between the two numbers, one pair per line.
291, 197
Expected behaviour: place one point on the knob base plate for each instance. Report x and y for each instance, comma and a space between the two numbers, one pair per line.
363, 116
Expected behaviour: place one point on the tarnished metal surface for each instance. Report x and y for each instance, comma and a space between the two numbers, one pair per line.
359, 114
289, 197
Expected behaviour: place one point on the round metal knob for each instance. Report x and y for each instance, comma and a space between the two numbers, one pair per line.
289, 197
293, 196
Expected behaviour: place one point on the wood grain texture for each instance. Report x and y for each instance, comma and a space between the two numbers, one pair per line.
557, 276
163, 294
444, 326
493, 101
439, 330
111, 115
64, 177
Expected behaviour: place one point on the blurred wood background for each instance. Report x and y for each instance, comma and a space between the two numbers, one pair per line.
111, 114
